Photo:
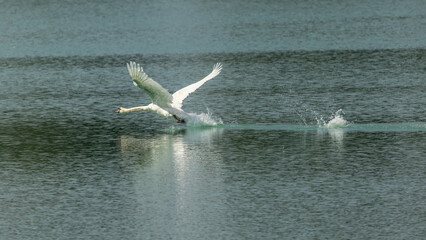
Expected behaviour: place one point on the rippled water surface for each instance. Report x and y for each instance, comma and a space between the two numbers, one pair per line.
321, 108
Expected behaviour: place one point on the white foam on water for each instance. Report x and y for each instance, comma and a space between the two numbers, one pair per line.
202, 120
336, 121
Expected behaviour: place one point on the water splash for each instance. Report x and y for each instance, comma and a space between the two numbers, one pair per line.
203, 120
336, 121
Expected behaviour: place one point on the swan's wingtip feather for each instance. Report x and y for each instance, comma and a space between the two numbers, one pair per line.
136, 71
217, 67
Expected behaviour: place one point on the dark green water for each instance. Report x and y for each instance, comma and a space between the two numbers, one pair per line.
71, 168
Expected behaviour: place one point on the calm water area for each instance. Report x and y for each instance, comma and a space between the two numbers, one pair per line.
274, 167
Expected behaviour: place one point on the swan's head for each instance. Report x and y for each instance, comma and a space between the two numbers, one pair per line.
121, 110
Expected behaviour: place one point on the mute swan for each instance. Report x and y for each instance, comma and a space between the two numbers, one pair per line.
163, 102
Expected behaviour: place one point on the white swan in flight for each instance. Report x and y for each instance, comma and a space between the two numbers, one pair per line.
164, 103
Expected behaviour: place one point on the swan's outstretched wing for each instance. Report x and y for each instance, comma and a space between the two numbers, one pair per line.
159, 95
180, 95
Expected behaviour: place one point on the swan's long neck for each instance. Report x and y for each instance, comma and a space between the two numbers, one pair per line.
151, 107
127, 110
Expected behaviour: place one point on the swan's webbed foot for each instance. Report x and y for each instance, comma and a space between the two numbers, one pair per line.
178, 120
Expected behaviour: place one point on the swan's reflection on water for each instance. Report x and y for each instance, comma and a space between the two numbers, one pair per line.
337, 135
178, 180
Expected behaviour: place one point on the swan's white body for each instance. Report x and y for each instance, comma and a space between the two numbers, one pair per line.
164, 103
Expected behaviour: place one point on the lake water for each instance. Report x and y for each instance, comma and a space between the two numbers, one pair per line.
320, 105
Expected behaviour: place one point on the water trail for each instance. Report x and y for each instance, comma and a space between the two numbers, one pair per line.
335, 121
306, 114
